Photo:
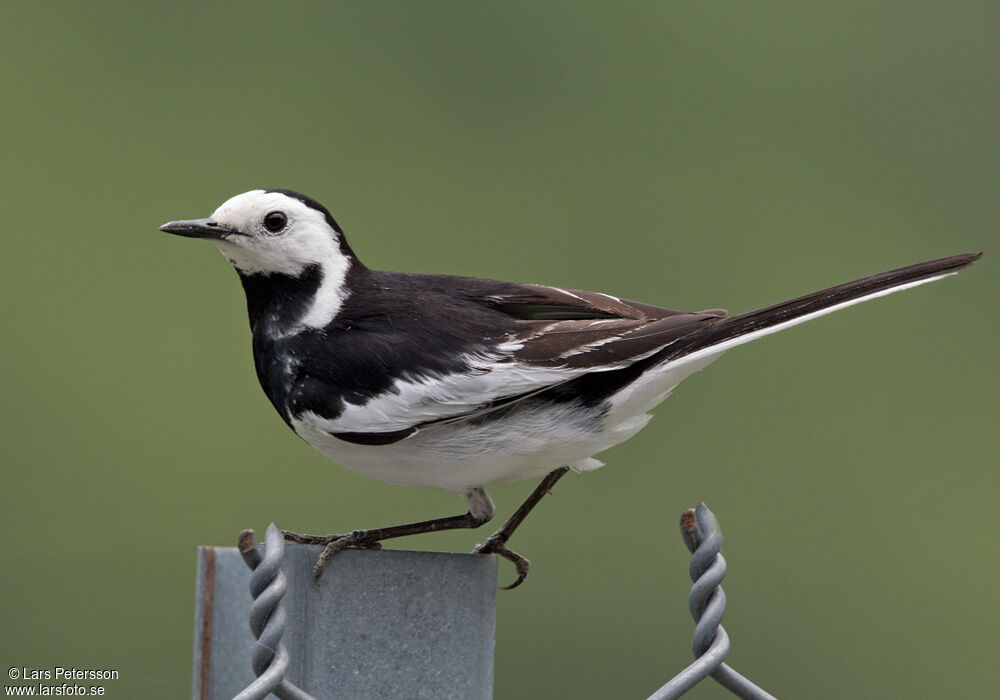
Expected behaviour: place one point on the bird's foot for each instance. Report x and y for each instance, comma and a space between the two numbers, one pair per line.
359, 539
497, 544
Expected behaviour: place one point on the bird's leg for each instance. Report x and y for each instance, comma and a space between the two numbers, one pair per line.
496, 543
480, 512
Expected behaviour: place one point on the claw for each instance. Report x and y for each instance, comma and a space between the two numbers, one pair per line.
494, 546
520, 563
332, 545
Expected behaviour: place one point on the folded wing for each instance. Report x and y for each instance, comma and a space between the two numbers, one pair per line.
559, 335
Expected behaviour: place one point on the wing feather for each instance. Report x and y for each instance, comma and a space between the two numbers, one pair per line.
559, 335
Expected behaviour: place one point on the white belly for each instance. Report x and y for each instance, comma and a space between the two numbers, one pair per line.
460, 456
524, 444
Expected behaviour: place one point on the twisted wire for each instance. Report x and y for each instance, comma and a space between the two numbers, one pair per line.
707, 603
268, 585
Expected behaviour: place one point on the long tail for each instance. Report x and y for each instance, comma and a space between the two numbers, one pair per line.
743, 328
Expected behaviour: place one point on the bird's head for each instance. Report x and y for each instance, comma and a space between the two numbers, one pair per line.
263, 232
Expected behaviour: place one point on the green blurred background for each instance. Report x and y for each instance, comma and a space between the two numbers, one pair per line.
693, 156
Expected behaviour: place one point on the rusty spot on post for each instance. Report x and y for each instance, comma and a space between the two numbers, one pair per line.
208, 602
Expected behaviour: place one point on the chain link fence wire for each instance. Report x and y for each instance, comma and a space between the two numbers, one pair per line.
267, 618
707, 602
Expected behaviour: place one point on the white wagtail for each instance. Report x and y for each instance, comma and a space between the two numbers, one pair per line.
454, 382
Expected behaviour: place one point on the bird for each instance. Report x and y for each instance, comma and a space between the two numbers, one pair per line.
457, 383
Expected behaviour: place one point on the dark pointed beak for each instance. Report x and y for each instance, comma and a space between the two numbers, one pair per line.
197, 228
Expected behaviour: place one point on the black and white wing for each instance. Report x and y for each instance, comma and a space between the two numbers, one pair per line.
551, 336
572, 345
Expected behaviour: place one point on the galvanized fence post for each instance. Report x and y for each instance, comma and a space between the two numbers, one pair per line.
378, 624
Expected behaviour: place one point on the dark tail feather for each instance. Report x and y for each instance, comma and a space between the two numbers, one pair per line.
752, 324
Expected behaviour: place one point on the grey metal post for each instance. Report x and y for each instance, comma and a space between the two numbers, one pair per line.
379, 624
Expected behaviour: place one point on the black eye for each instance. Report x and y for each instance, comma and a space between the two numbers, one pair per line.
275, 221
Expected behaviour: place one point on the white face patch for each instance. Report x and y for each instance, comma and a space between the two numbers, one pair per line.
305, 240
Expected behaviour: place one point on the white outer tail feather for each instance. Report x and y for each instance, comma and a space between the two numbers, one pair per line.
649, 391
